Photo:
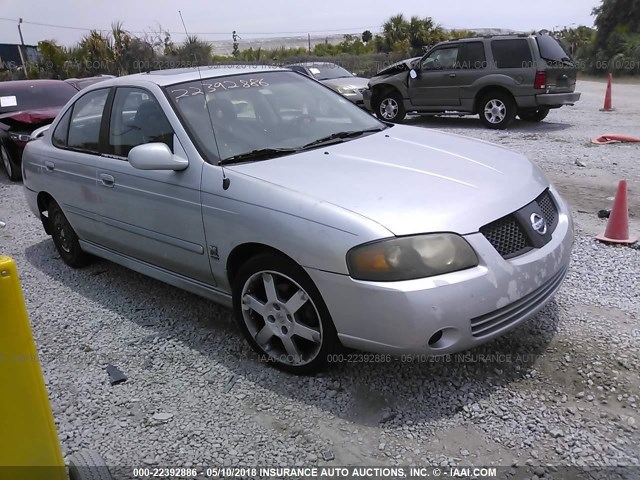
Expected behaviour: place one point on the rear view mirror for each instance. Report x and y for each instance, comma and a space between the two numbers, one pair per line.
155, 156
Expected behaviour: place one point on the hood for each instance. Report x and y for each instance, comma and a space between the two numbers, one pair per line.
410, 179
356, 82
402, 66
30, 118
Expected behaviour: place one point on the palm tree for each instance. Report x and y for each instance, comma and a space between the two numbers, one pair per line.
121, 45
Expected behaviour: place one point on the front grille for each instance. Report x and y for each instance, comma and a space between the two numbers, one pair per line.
505, 316
506, 236
511, 236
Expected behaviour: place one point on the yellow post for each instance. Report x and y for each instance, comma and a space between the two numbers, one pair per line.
29, 445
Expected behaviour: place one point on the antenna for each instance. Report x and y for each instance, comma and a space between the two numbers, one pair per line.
225, 180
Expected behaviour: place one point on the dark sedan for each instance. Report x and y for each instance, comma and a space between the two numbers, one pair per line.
26, 105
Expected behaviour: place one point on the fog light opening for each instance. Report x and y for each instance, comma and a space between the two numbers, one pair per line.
444, 338
435, 338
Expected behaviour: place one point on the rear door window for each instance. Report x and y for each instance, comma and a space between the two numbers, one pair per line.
84, 130
59, 137
511, 53
472, 56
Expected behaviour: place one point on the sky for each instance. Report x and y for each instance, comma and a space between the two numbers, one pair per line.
216, 19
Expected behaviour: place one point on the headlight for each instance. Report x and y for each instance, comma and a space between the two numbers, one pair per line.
407, 258
20, 137
348, 90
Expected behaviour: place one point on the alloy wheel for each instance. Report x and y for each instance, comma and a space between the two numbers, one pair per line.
495, 111
281, 318
388, 108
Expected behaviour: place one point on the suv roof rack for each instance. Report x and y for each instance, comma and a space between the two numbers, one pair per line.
491, 35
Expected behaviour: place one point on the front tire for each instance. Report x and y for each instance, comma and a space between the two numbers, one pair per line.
497, 110
88, 465
282, 314
65, 238
534, 115
390, 108
10, 166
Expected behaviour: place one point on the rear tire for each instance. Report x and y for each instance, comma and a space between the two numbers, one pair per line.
65, 239
497, 110
534, 115
10, 166
390, 108
282, 314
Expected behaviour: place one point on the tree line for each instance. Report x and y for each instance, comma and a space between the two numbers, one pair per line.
614, 45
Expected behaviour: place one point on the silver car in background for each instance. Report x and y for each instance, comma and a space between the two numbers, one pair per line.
335, 77
320, 225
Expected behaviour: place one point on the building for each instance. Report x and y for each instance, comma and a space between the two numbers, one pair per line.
13, 55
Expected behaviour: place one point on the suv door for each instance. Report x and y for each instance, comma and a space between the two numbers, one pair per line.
71, 169
150, 215
470, 66
435, 84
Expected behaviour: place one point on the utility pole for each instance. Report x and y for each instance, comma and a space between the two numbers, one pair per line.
309, 39
20, 48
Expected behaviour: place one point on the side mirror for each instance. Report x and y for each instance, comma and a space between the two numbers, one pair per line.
155, 156
413, 74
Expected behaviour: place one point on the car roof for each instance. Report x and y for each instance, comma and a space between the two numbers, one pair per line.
180, 75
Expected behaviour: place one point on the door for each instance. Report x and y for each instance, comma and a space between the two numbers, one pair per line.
470, 66
435, 84
150, 215
71, 168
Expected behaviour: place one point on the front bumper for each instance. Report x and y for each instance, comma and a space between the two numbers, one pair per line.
462, 309
557, 99
366, 99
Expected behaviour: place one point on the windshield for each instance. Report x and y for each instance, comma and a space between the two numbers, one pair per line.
550, 49
264, 110
15, 96
328, 71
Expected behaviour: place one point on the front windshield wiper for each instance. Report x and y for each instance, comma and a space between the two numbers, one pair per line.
338, 137
259, 154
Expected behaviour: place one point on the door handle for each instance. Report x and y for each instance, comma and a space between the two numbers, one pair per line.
107, 180
452, 75
50, 166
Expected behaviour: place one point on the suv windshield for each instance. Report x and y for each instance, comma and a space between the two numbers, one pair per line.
281, 112
17, 96
328, 71
550, 49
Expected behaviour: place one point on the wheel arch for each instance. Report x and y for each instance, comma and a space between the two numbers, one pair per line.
489, 89
382, 89
44, 199
240, 254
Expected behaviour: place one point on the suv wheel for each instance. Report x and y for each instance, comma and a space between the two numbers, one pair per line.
13, 171
534, 115
497, 110
390, 108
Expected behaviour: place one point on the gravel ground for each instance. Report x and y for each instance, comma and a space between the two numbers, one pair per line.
560, 390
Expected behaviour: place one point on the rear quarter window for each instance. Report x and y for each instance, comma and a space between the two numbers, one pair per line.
512, 53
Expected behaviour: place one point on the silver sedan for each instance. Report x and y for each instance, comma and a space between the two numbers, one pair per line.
318, 224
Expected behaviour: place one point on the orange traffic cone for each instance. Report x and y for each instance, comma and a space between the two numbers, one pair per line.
607, 97
617, 230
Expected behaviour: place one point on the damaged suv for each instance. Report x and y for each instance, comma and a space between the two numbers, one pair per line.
495, 77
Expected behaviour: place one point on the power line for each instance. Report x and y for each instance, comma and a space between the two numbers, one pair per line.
67, 27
